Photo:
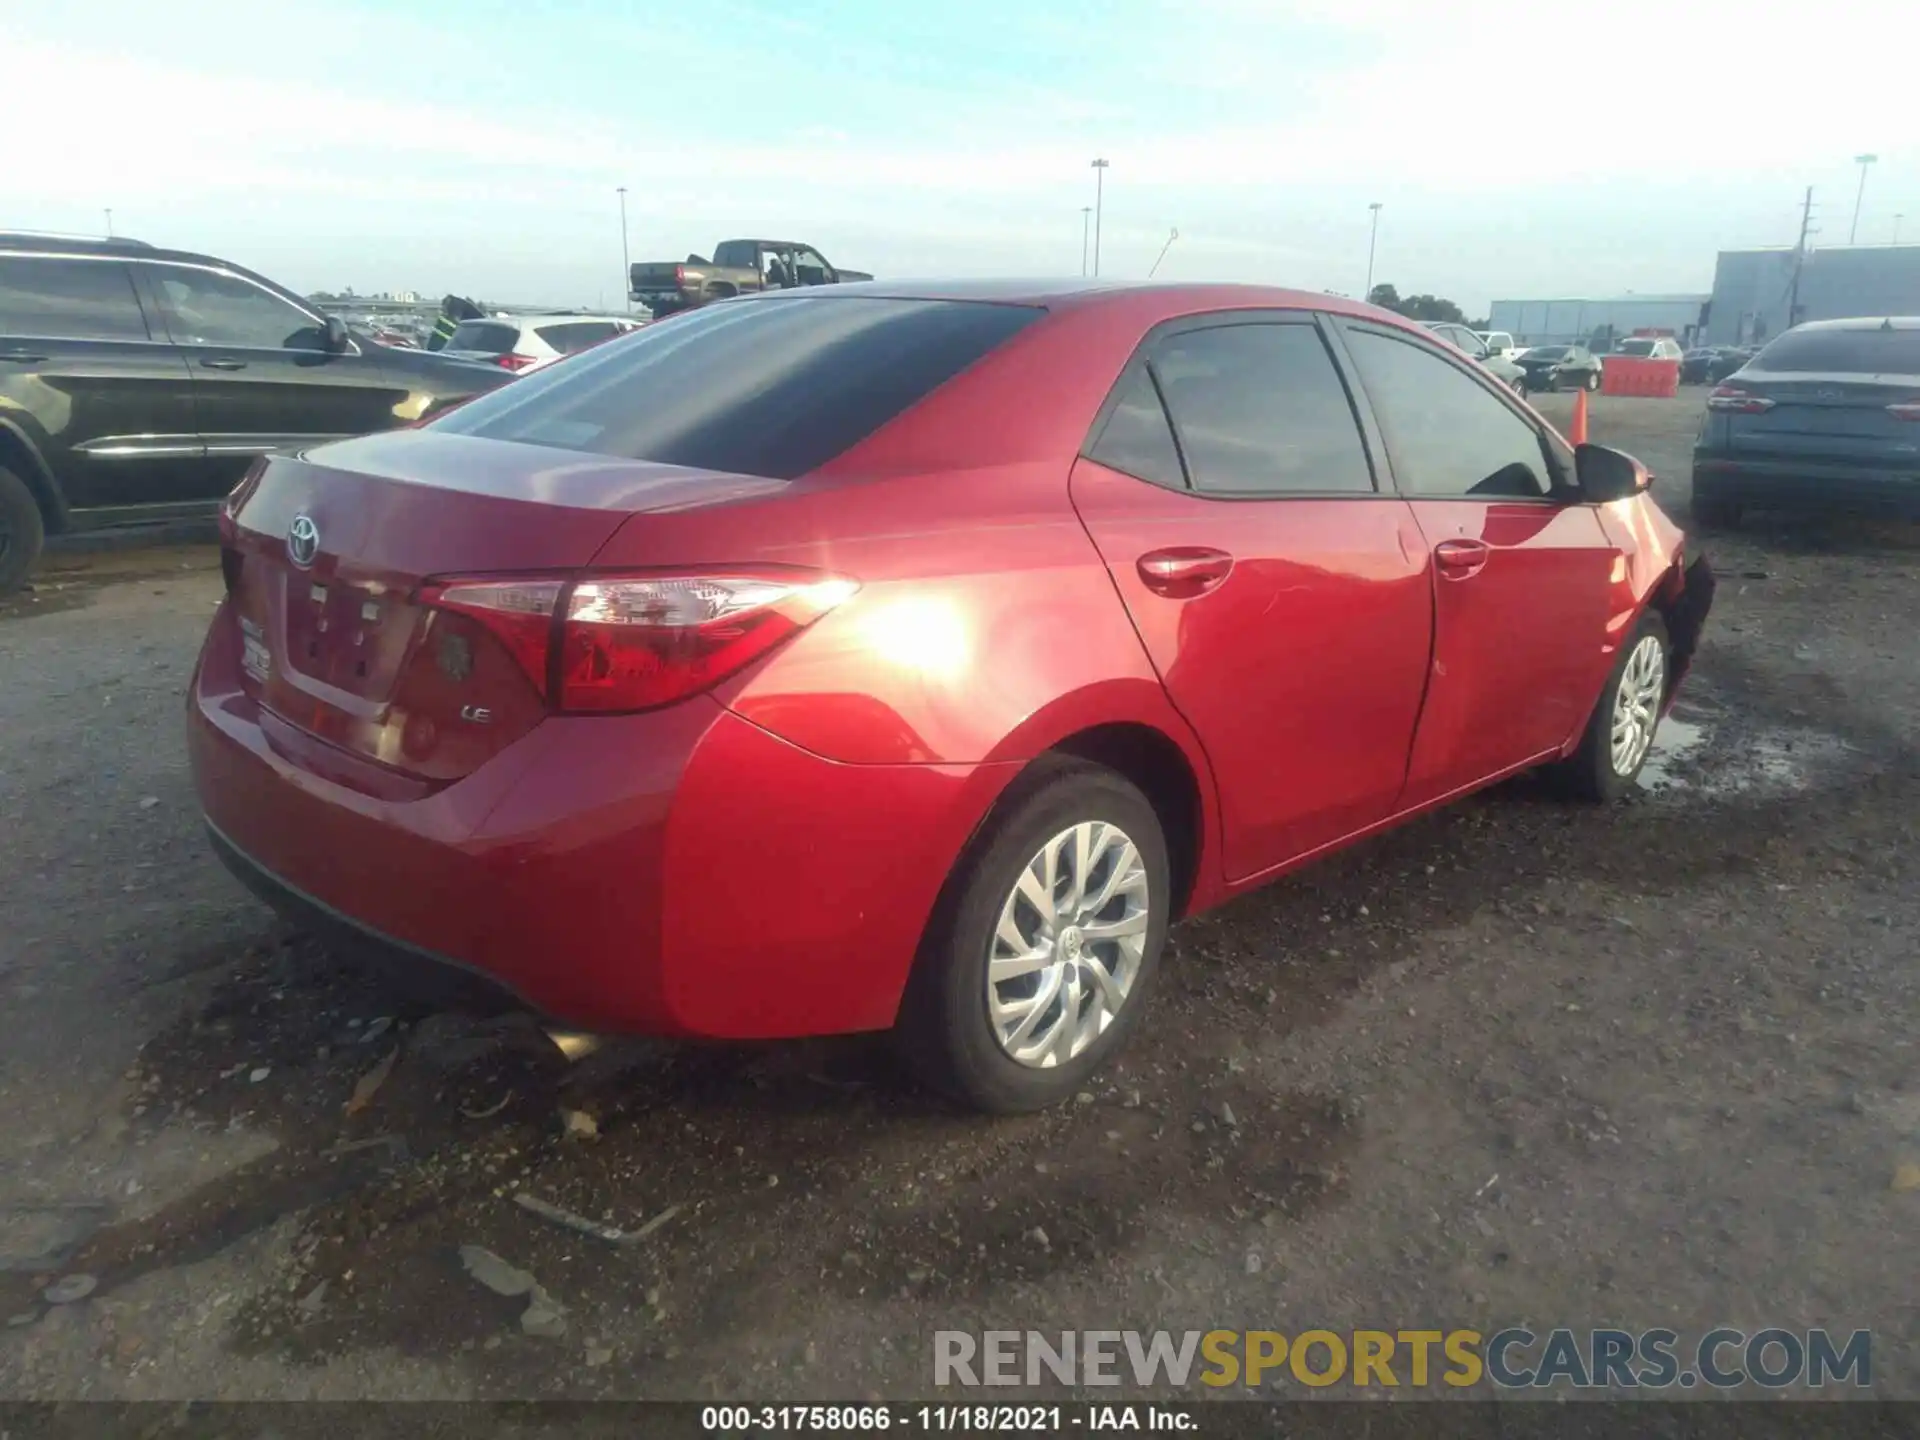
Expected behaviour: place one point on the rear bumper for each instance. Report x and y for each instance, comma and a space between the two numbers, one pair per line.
1768, 482
681, 872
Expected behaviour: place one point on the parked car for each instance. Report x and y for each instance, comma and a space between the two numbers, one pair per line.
1469, 343
137, 384
526, 342
1825, 417
738, 267
1499, 342
1648, 347
786, 669
1561, 367
1711, 364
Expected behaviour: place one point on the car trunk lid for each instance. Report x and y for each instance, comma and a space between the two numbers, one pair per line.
328, 552
1826, 417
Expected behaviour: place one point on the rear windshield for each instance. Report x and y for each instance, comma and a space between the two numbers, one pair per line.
1547, 352
1843, 352
773, 387
577, 334
1635, 347
491, 336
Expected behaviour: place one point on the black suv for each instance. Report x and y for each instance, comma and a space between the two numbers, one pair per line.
138, 384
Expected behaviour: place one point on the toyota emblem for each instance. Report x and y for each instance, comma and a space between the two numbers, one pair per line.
303, 540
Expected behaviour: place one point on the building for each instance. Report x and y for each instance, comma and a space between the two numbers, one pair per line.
1597, 324
1753, 288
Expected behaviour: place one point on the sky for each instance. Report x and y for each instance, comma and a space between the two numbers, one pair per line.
1562, 149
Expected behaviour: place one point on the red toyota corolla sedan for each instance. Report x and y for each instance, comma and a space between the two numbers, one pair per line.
912, 656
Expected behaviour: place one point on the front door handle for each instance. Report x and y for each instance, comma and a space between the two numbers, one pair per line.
21, 357
1180, 572
1458, 559
220, 362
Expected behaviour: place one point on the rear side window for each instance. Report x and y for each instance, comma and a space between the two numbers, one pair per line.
69, 300
773, 387
1137, 438
491, 337
577, 334
1843, 352
1259, 409
1450, 437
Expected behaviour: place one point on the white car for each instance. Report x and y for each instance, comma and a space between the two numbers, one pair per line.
1499, 342
527, 342
1650, 347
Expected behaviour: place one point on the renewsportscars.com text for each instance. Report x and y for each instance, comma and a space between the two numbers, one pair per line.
1659, 1359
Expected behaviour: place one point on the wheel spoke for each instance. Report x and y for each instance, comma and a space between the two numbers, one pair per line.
1012, 967
1132, 924
1127, 873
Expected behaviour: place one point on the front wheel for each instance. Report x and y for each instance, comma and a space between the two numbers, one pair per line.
22, 531
1038, 960
1592, 382
1621, 729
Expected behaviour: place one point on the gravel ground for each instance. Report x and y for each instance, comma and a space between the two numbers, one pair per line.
1520, 1062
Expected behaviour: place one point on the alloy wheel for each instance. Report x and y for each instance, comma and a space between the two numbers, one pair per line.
1636, 704
1069, 944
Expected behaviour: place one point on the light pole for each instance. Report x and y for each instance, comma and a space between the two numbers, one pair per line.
1086, 223
1373, 236
109, 222
626, 266
1099, 185
1898, 216
1863, 161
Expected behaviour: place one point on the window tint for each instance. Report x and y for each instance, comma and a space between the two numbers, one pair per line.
1260, 409
1843, 352
1636, 347
773, 387
69, 300
205, 308
490, 337
1136, 437
577, 335
1449, 436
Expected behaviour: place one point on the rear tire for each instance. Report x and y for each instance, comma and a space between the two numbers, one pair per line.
1715, 512
22, 531
1011, 1008
1592, 382
1626, 717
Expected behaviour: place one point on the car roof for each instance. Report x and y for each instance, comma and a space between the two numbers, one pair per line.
555, 316
1145, 300
1863, 322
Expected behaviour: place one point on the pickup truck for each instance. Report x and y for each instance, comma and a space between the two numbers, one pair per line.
738, 267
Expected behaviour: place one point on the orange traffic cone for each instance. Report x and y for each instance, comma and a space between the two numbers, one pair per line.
1577, 431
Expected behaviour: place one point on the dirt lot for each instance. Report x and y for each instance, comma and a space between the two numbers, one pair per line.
1520, 1062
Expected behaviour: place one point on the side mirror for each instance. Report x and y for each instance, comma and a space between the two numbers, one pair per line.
1605, 474
337, 338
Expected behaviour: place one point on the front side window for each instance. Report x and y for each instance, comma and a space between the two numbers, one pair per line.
1450, 437
68, 299
205, 307
1260, 409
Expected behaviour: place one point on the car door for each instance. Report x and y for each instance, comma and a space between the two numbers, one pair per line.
1282, 597
106, 401
263, 376
1521, 570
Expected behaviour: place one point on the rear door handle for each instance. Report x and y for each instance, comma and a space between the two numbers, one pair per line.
1183, 571
1458, 559
21, 357
220, 362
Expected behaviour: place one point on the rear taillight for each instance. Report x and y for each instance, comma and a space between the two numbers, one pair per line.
1734, 400
1905, 409
609, 644
513, 362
